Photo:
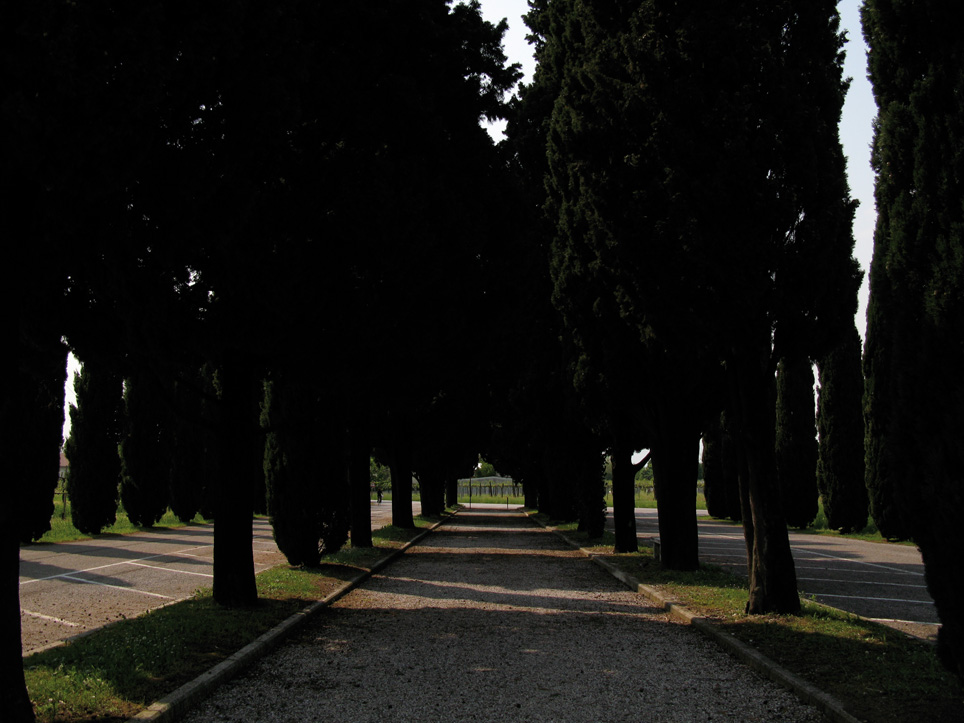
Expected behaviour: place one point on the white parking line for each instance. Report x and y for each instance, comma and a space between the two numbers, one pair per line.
132, 561
170, 569
881, 599
116, 587
50, 617
861, 562
863, 582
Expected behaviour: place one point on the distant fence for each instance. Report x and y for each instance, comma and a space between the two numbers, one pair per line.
491, 486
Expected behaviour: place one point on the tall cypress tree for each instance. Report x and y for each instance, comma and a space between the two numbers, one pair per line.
308, 505
92, 447
714, 485
914, 393
732, 461
796, 444
39, 400
840, 424
145, 450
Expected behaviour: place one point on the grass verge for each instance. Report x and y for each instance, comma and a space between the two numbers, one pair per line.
63, 530
879, 674
114, 673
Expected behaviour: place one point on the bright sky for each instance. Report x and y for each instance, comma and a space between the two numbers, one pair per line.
856, 129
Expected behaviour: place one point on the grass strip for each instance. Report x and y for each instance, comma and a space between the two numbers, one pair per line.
114, 673
879, 674
62, 528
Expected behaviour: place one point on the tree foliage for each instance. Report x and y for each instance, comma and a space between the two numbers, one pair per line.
840, 466
796, 442
92, 447
307, 502
914, 394
145, 449
703, 216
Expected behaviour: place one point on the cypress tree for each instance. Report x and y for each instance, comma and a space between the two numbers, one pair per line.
92, 447
840, 425
191, 448
308, 506
732, 458
35, 460
714, 484
145, 450
796, 442
915, 394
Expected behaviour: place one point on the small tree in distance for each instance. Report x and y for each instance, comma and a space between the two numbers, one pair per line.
91, 448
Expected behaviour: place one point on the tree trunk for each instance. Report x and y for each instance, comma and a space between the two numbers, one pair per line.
624, 498
14, 700
240, 453
674, 477
401, 470
773, 580
432, 493
360, 483
530, 491
452, 492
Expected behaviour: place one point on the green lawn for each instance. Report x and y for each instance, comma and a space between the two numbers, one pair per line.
63, 530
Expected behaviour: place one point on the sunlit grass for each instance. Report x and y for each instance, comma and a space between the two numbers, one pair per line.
63, 530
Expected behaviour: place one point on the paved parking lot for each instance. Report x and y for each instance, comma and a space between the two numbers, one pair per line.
69, 588
880, 581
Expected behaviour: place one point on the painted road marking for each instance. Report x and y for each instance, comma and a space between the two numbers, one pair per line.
868, 564
116, 587
170, 569
863, 582
51, 618
881, 599
183, 552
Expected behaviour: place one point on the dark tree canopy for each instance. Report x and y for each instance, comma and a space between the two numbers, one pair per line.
796, 442
914, 394
92, 447
840, 424
702, 215
308, 502
145, 449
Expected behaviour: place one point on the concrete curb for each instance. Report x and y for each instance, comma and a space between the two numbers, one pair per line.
172, 707
808, 693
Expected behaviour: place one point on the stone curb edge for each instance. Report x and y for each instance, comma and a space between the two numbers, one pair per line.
175, 705
807, 692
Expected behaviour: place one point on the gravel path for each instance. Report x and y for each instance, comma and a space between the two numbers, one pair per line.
494, 619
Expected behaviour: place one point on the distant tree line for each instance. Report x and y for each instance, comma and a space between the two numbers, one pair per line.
274, 234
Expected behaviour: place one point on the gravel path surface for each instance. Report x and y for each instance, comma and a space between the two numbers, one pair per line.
494, 619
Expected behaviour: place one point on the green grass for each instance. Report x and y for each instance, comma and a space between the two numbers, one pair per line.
491, 499
63, 530
819, 527
881, 675
648, 500
113, 673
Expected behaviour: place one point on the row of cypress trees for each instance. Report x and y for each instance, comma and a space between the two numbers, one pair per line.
699, 232
914, 396
818, 456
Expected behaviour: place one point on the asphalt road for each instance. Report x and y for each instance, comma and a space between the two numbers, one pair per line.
69, 588
880, 581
